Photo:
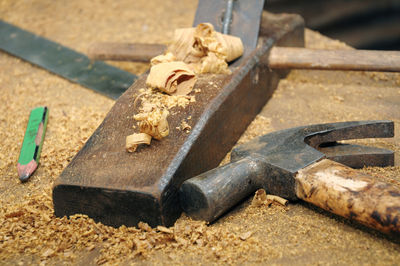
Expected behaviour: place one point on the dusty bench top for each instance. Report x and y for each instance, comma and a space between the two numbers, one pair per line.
284, 235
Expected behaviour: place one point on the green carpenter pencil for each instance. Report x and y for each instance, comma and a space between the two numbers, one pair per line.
32, 145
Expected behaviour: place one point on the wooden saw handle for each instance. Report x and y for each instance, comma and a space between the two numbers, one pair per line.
358, 60
351, 194
280, 57
137, 52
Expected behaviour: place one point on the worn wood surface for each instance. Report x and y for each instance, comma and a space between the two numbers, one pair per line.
116, 187
351, 194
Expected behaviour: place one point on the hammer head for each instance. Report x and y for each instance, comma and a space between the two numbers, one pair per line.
288, 151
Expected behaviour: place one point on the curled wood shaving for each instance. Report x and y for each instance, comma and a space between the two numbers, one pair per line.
278, 199
185, 126
260, 198
172, 78
164, 58
205, 49
154, 123
212, 64
152, 112
133, 141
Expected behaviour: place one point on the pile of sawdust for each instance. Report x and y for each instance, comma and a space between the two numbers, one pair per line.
298, 234
30, 227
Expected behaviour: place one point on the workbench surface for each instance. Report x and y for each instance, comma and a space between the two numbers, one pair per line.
296, 234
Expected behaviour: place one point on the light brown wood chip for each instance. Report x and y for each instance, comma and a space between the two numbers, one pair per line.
194, 46
132, 141
164, 229
164, 58
260, 198
174, 78
245, 235
278, 199
154, 123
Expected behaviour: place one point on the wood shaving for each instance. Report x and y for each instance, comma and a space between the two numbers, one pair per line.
154, 123
164, 58
164, 229
204, 49
133, 141
260, 198
151, 99
153, 111
185, 126
172, 78
282, 201
302, 236
246, 235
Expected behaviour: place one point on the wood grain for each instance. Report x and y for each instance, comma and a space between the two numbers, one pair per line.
351, 194
138, 52
358, 60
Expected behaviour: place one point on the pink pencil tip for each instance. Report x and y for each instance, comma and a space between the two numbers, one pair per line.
25, 171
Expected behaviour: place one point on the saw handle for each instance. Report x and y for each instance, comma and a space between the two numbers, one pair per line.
136, 52
211, 194
351, 194
279, 58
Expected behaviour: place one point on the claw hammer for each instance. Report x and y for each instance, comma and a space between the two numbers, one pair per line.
288, 163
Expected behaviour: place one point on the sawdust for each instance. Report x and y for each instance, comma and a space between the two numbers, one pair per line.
30, 227
297, 234
154, 123
154, 109
185, 126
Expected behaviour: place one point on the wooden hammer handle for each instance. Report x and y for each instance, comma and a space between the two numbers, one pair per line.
351, 194
360, 60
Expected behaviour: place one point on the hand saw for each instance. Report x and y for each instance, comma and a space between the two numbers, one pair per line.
63, 61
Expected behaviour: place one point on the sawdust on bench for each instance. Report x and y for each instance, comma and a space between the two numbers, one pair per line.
193, 51
296, 234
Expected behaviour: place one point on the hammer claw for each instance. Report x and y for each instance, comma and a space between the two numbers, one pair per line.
358, 156
325, 133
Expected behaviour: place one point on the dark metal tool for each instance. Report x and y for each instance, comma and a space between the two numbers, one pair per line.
227, 17
235, 17
288, 163
63, 61
116, 187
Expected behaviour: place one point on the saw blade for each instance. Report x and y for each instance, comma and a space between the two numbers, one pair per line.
65, 62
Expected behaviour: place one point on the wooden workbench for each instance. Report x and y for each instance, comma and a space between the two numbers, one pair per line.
297, 234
